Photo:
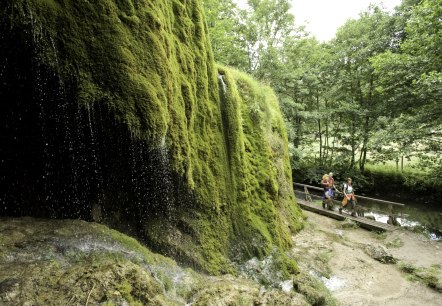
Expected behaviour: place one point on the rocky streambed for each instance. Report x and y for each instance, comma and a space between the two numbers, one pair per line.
73, 262
367, 268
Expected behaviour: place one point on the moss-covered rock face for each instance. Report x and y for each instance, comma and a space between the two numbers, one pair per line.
113, 111
60, 262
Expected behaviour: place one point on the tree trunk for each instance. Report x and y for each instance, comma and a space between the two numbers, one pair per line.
363, 156
402, 163
320, 132
326, 148
334, 139
353, 144
320, 141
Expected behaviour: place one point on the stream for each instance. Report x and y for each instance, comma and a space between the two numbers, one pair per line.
420, 217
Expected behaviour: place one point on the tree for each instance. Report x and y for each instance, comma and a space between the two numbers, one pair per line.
374, 91
302, 88
411, 80
359, 104
271, 23
227, 33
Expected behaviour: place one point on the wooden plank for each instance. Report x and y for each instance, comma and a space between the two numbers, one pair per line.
361, 221
316, 209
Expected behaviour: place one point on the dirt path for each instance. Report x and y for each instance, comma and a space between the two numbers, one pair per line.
340, 258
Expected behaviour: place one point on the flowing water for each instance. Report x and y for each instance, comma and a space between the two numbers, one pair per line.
418, 216
413, 214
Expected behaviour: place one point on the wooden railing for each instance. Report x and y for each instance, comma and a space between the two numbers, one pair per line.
359, 196
389, 210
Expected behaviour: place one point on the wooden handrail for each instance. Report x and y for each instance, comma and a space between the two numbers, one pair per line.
308, 186
358, 196
379, 210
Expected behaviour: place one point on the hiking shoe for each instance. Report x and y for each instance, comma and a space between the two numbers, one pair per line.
340, 211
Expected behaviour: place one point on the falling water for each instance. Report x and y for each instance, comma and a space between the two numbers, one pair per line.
66, 159
223, 84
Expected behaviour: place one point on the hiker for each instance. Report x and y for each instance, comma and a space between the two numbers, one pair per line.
328, 184
349, 197
331, 185
324, 184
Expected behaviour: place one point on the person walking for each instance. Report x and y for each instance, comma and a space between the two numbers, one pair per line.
324, 183
349, 197
331, 185
328, 184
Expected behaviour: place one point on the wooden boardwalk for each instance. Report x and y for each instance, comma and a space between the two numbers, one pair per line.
361, 221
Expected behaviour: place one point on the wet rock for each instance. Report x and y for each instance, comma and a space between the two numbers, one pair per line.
65, 261
347, 223
339, 233
9, 290
313, 289
379, 253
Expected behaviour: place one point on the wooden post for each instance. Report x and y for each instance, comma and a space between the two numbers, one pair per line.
391, 216
307, 195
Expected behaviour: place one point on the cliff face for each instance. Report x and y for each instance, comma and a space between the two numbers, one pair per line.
114, 111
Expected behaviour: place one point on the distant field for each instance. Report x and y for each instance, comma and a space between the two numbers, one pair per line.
390, 167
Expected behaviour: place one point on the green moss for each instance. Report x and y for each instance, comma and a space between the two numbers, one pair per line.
407, 267
395, 243
314, 291
428, 276
380, 235
258, 157
325, 256
151, 64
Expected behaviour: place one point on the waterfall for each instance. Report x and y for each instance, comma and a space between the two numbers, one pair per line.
223, 84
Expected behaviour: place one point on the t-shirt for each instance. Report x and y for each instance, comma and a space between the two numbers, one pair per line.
349, 189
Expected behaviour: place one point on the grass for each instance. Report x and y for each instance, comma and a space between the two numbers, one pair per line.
411, 181
348, 224
407, 267
380, 235
318, 202
325, 256
427, 276
395, 243
390, 168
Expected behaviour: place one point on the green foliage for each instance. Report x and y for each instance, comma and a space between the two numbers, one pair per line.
371, 94
411, 81
226, 32
249, 39
384, 178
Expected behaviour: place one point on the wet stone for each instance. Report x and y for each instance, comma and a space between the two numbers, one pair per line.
379, 253
9, 290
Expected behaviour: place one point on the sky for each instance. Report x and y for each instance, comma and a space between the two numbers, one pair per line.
323, 17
